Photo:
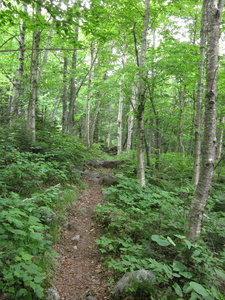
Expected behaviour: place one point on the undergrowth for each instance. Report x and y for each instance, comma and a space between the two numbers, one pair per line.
36, 186
144, 228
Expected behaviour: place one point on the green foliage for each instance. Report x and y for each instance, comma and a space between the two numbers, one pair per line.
144, 229
176, 166
24, 241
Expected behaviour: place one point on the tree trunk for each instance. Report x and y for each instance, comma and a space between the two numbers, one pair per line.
209, 143
31, 118
72, 94
14, 105
88, 102
120, 118
45, 57
181, 98
198, 115
220, 139
142, 99
65, 97
131, 119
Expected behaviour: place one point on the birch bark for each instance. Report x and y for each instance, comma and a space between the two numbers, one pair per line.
31, 117
198, 114
14, 105
131, 119
142, 99
209, 144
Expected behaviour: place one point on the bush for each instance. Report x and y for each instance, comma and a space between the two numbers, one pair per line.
144, 229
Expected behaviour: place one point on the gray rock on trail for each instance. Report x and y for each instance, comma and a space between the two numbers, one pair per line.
111, 164
76, 239
90, 298
128, 279
70, 226
52, 294
110, 179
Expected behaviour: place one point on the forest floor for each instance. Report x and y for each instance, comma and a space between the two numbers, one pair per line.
80, 272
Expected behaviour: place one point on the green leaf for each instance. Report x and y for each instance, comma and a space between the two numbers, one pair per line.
160, 240
178, 290
200, 290
220, 273
171, 241
178, 266
189, 244
36, 236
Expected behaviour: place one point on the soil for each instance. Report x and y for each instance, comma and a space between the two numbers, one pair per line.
80, 272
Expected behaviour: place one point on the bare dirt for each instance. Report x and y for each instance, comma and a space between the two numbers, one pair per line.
80, 272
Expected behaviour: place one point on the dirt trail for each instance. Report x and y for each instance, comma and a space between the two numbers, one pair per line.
80, 269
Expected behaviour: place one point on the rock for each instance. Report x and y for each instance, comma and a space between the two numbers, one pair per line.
76, 239
52, 294
96, 175
86, 172
111, 164
90, 298
70, 226
83, 210
109, 180
128, 279
93, 163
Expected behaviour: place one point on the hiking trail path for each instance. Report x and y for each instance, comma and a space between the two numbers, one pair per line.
80, 273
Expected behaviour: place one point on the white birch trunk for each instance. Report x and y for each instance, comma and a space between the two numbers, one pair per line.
198, 114
14, 109
65, 97
120, 118
220, 139
130, 120
31, 118
141, 100
88, 102
209, 144
72, 94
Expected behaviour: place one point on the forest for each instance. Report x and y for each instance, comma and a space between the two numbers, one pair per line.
138, 82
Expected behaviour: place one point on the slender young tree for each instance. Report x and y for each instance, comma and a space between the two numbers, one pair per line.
72, 93
141, 97
65, 97
198, 108
198, 204
14, 106
88, 102
31, 117
130, 120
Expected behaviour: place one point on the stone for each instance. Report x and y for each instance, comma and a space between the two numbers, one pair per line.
70, 226
90, 298
93, 163
111, 164
96, 175
109, 180
52, 294
128, 279
76, 239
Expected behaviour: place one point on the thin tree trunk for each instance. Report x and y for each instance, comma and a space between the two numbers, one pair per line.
220, 139
72, 94
142, 100
181, 96
31, 118
131, 119
14, 105
209, 144
198, 115
120, 118
95, 118
65, 97
45, 57
88, 102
